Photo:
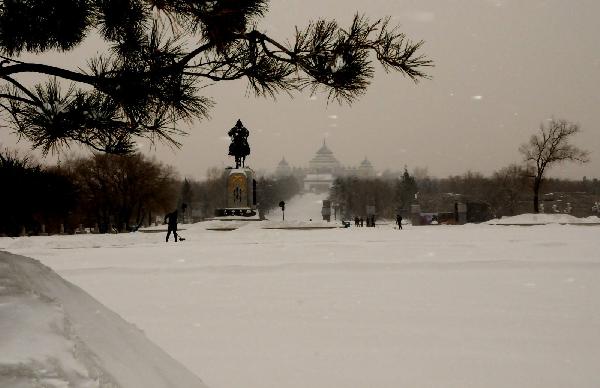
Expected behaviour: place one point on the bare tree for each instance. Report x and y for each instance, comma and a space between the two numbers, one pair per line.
122, 189
549, 147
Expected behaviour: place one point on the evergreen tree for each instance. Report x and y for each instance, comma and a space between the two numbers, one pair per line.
32, 195
158, 57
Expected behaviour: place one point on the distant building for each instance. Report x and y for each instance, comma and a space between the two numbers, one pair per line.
323, 169
366, 170
324, 162
318, 183
283, 169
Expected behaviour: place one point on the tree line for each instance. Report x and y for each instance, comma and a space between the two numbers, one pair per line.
111, 193
123, 192
32, 195
506, 192
498, 195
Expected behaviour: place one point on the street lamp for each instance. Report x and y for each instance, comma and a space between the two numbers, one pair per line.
282, 206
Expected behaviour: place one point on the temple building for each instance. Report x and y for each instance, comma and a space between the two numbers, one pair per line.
283, 168
366, 170
324, 162
323, 169
318, 183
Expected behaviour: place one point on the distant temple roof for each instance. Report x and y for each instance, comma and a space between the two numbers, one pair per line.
283, 168
324, 161
324, 150
366, 168
366, 163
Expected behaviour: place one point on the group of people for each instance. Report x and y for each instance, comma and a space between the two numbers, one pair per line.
370, 220
360, 222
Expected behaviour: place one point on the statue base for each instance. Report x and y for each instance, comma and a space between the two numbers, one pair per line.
240, 195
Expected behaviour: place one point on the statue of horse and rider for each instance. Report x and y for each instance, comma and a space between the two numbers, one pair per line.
239, 147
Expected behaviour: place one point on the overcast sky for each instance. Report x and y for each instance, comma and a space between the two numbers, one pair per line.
501, 68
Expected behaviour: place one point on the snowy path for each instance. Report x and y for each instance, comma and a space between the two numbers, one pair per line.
471, 306
302, 208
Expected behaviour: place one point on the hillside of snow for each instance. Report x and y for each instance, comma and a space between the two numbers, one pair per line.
54, 335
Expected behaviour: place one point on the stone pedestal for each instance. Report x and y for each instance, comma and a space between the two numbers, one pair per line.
240, 194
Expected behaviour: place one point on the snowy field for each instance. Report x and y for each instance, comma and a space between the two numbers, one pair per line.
434, 306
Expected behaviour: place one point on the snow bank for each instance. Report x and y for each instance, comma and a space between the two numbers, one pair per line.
53, 334
535, 219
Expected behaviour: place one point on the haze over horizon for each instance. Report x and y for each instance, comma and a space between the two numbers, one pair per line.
502, 67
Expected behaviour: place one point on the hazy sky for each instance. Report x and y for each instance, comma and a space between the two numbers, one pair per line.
501, 68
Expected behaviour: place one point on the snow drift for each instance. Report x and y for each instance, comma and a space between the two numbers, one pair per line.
543, 219
53, 334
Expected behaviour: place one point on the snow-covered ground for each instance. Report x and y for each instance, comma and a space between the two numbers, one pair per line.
54, 335
431, 306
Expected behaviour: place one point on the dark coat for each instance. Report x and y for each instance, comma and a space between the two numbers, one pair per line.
172, 219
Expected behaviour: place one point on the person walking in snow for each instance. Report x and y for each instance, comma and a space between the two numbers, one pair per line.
171, 219
399, 221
